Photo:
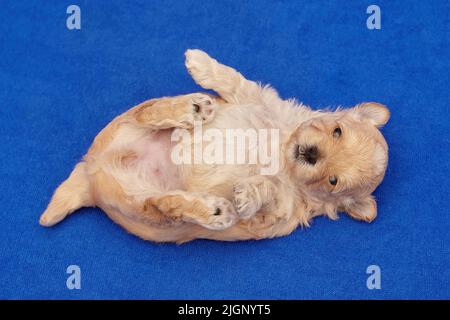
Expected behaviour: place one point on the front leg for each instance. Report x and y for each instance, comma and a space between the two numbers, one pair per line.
227, 82
175, 112
209, 211
253, 194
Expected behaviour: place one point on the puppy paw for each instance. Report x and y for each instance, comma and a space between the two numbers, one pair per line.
209, 211
245, 200
203, 108
199, 66
221, 214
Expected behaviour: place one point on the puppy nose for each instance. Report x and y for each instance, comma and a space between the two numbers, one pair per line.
311, 155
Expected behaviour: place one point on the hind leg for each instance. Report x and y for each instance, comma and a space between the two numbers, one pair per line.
209, 211
71, 195
175, 112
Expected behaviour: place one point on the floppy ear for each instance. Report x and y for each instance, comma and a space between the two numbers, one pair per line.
364, 209
375, 112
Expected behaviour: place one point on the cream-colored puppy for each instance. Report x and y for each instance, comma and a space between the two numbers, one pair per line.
328, 162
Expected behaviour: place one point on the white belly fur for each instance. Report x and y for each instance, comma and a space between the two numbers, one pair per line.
152, 172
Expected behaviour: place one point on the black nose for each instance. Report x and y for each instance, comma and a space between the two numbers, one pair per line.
311, 155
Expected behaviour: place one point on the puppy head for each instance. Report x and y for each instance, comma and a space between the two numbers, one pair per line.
339, 158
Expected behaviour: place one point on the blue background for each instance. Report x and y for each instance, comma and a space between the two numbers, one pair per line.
60, 87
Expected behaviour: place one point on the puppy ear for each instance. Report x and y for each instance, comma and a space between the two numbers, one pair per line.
375, 112
364, 209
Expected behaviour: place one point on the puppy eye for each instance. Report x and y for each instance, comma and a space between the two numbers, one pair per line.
337, 132
333, 180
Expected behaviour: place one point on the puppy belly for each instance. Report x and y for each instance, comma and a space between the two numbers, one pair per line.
146, 166
156, 159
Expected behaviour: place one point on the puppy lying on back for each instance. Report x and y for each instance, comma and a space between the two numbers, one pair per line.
326, 162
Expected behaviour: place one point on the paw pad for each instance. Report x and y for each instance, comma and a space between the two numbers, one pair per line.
203, 107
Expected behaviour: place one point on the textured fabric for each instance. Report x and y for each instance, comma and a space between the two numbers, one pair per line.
59, 87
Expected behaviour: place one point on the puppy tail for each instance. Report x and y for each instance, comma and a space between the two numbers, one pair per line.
71, 195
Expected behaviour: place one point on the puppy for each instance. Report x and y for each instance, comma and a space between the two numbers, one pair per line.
328, 162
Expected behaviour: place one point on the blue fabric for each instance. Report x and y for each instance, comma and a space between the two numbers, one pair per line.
60, 87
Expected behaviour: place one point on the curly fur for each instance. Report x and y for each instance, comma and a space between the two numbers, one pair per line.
129, 174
